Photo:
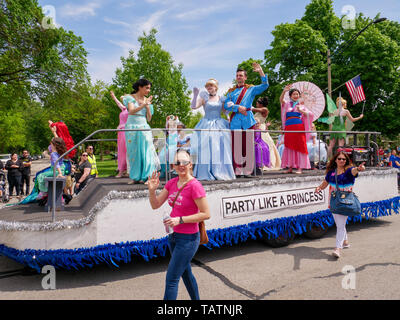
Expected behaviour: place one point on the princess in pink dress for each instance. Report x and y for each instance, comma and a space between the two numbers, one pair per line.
123, 117
295, 117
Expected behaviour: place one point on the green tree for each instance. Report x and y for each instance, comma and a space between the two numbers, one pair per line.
43, 58
298, 52
169, 87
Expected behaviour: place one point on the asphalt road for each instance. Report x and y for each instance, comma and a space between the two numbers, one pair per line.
249, 271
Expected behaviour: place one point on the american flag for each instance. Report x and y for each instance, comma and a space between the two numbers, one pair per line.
356, 90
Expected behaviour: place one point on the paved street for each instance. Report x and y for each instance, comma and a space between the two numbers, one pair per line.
303, 270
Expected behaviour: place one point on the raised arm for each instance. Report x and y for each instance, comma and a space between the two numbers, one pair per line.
53, 129
196, 101
282, 97
264, 80
156, 201
358, 169
350, 117
119, 104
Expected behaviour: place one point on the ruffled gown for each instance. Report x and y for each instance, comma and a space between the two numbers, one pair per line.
317, 152
211, 150
295, 153
261, 151
274, 156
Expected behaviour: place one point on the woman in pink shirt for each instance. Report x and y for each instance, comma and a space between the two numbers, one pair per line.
190, 208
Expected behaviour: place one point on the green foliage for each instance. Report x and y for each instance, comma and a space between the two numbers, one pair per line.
193, 120
45, 59
298, 52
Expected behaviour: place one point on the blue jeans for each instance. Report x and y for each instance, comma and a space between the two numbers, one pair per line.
183, 247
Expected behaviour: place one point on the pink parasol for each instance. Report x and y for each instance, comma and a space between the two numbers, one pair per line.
313, 97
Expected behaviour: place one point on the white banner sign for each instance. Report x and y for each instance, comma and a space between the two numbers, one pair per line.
264, 202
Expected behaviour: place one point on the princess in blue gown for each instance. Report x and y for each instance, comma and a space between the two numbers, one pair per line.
211, 150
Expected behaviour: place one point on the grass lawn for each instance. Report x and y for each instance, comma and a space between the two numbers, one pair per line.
106, 168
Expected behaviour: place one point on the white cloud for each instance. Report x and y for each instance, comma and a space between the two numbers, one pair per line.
152, 22
214, 53
117, 22
77, 11
200, 12
126, 46
103, 69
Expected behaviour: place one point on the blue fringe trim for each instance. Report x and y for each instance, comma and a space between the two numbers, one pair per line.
113, 254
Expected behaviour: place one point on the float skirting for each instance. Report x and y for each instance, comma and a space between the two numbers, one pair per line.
124, 252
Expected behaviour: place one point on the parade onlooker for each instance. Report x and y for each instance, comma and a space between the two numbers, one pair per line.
187, 197
26, 172
341, 165
92, 159
394, 159
82, 173
14, 169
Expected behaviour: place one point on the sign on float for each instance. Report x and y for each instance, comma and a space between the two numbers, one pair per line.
264, 202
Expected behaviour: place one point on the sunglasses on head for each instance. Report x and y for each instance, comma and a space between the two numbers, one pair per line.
181, 163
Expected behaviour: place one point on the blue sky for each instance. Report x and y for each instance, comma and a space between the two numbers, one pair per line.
210, 38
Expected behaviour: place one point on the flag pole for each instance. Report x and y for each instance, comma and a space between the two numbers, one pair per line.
344, 83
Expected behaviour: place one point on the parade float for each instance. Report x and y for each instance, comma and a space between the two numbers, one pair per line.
112, 222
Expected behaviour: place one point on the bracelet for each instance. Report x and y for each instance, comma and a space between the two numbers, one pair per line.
181, 220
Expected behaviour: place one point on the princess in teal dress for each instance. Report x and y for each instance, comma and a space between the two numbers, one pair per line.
142, 155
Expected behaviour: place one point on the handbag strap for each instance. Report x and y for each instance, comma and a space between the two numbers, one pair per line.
337, 188
179, 191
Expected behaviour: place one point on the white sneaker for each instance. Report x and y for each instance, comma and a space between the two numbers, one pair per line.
336, 253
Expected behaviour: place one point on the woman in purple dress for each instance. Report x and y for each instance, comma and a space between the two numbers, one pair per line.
261, 149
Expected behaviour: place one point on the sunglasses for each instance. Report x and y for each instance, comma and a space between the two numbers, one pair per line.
84, 155
182, 163
343, 159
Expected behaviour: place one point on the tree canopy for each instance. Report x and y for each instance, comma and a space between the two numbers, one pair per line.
169, 87
298, 52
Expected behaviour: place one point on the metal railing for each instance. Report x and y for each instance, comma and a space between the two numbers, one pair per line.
167, 172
